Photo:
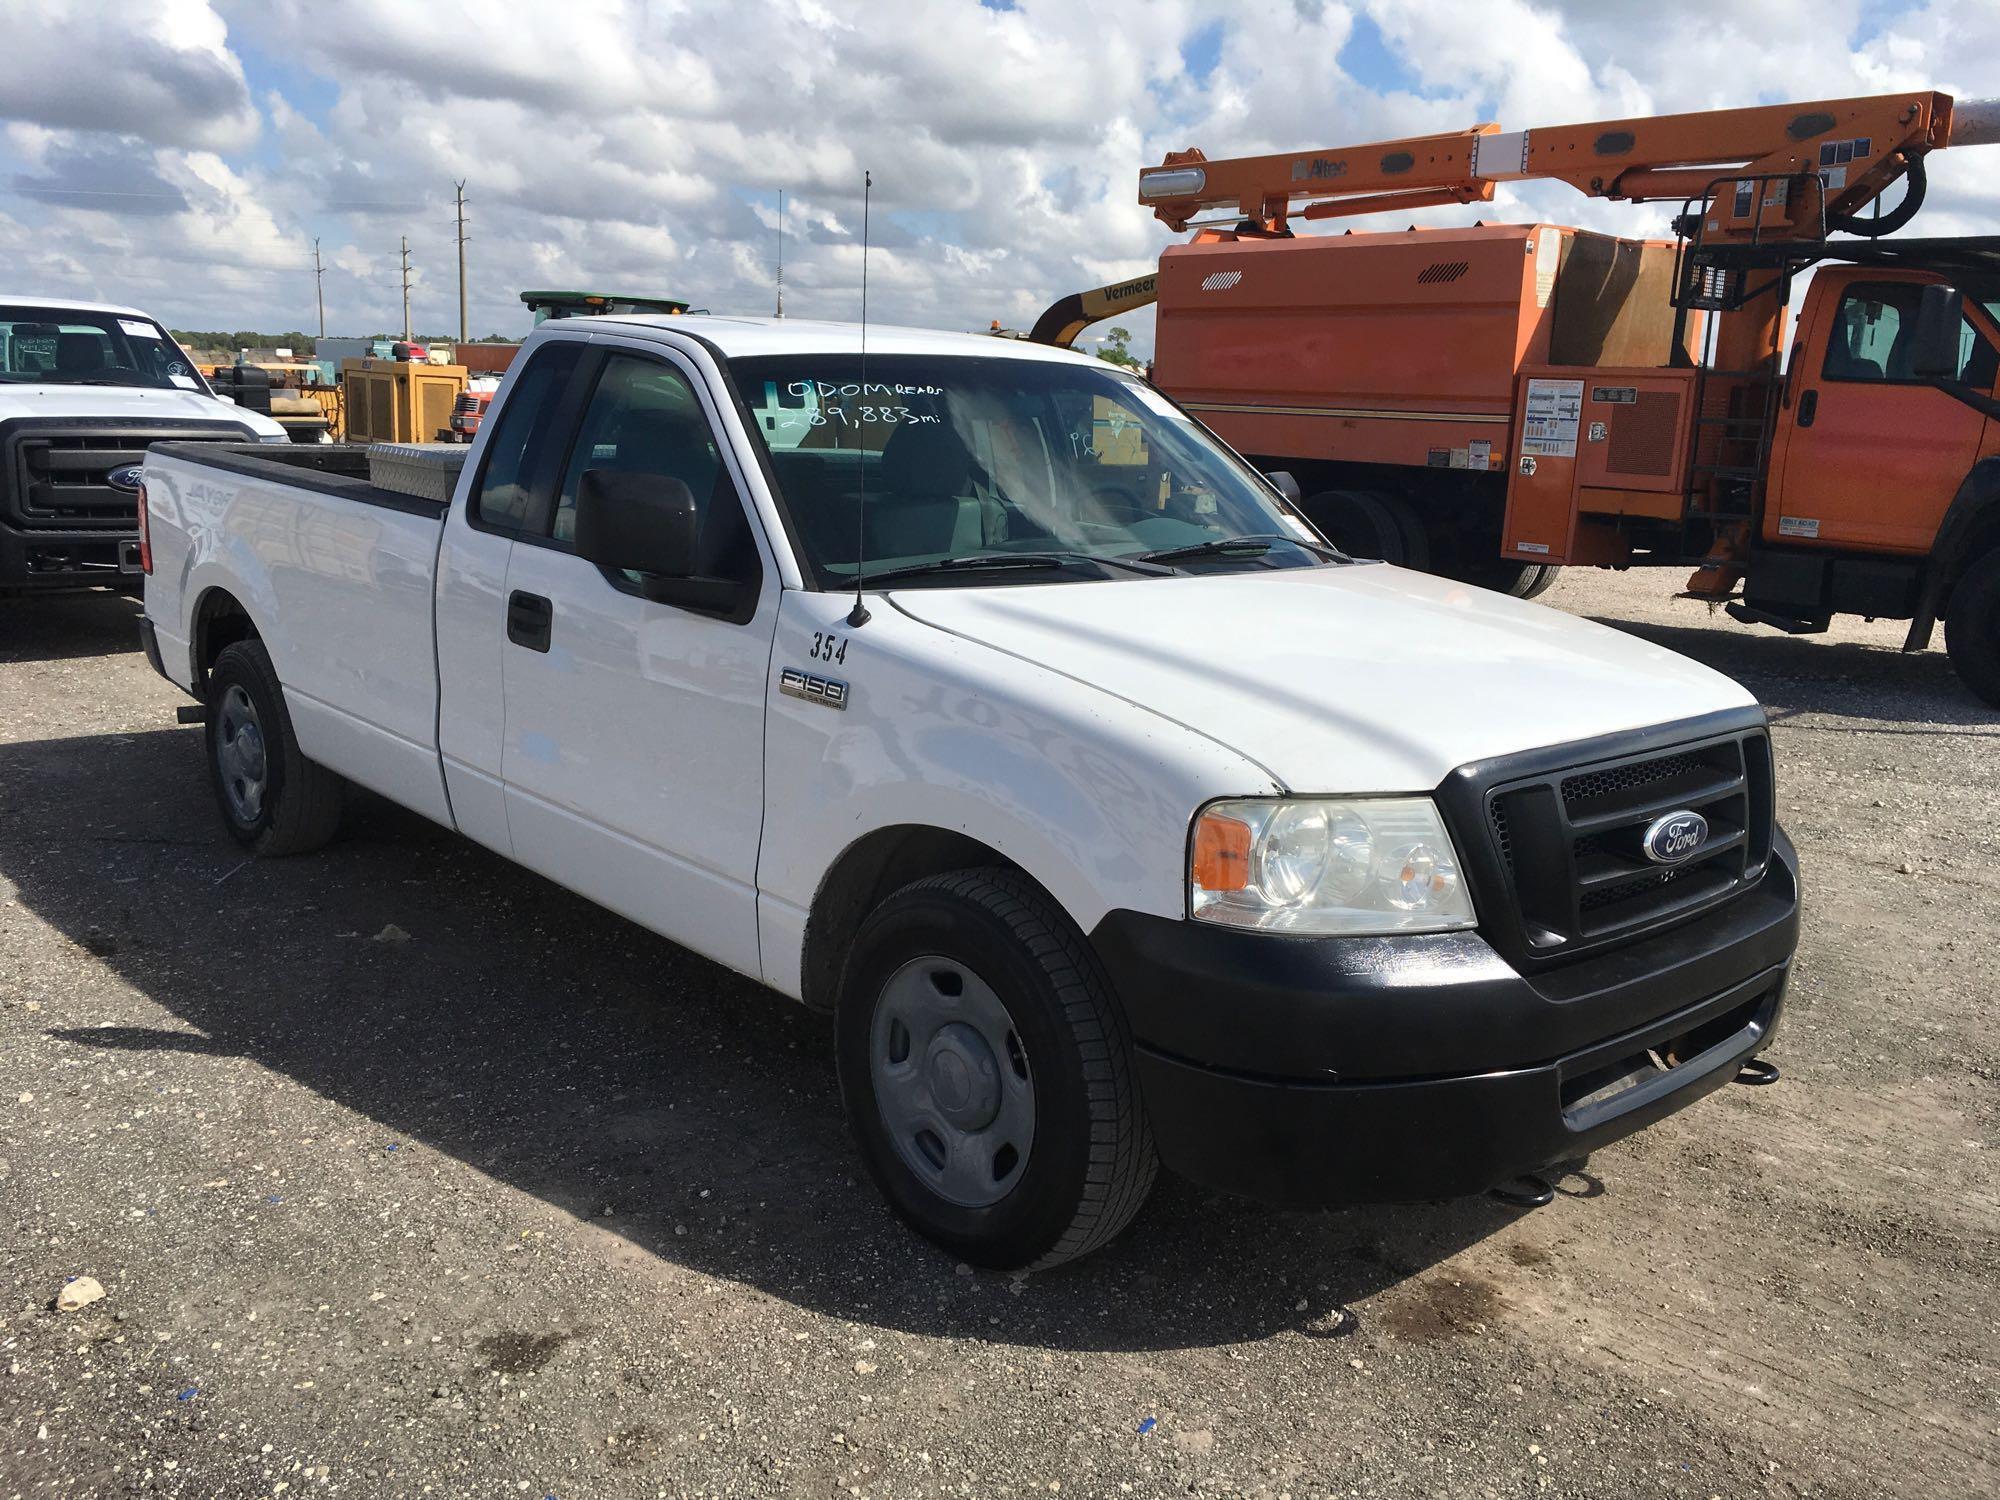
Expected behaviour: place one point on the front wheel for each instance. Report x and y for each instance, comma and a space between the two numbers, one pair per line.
987, 1073
1972, 628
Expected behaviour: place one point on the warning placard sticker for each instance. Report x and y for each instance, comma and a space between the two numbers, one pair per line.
1548, 426
1548, 260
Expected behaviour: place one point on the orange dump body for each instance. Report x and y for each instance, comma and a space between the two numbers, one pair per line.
1398, 348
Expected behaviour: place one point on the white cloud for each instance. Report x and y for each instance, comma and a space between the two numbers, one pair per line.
640, 144
158, 69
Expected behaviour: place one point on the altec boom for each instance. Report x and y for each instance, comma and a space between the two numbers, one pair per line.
1493, 401
1666, 157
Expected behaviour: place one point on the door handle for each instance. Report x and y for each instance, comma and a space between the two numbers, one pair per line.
1808, 404
528, 620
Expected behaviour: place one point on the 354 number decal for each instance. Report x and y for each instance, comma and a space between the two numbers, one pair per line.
827, 646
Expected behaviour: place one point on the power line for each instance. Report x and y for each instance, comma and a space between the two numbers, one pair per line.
33, 189
68, 192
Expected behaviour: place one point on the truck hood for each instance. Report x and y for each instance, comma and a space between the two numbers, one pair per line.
1345, 679
114, 403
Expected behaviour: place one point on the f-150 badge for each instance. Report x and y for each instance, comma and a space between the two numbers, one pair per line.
826, 691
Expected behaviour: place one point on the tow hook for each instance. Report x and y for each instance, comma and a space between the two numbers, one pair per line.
1758, 1072
1529, 1190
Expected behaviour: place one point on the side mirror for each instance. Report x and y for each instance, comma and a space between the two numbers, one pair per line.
640, 523
1285, 484
1934, 346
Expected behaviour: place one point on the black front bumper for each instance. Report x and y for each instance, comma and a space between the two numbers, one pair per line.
1316, 1071
69, 559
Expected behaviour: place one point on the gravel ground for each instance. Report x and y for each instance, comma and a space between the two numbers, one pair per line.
530, 1202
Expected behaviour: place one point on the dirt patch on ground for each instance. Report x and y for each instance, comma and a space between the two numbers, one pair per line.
1439, 1307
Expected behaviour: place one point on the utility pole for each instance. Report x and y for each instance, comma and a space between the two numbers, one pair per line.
406, 289
781, 252
319, 287
461, 261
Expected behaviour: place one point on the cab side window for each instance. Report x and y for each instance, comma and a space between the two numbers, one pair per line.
1874, 337
645, 418
518, 447
1873, 326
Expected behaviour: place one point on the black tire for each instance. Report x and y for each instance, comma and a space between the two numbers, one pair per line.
298, 805
1522, 580
1091, 1163
1364, 523
1972, 628
1537, 579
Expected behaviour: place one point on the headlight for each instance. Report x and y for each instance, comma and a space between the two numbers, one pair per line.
1320, 865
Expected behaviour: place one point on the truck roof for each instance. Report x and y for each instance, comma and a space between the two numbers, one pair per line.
743, 338
42, 299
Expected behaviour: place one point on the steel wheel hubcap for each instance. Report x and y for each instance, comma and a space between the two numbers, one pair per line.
951, 1081
240, 754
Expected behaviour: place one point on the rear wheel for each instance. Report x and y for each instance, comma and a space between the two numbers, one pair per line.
987, 1073
1536, 580
1972, 628
1367, 523
273, 800
1522, 580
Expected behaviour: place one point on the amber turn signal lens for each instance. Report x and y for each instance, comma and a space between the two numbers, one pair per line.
1221, 853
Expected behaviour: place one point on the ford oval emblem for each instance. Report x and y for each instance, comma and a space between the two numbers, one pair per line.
126, 477
1674, 837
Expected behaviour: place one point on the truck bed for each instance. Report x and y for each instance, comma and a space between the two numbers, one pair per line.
335, 574
336, 469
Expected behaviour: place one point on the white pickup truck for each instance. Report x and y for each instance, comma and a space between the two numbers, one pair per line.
85, 387
972, 694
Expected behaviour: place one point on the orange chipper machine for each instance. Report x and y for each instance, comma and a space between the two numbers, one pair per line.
1492, 402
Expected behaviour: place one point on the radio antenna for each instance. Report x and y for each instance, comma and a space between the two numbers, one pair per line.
781, 254
858, 616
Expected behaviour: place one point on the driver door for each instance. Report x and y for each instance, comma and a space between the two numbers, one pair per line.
634, 741
1874, 455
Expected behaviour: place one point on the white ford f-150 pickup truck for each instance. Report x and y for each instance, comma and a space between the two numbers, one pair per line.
85, 387
972, 694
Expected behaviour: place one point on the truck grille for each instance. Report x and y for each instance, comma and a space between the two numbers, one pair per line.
53, 475
1568, 841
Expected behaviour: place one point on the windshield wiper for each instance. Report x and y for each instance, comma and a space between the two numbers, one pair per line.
999, 561
1222, 546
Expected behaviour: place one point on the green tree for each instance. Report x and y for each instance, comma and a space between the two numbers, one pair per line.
1114, 349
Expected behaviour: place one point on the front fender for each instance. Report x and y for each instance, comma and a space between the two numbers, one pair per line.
1971, 523
1090, 794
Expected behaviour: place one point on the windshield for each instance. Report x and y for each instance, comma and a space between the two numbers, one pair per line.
68, 346
962, 457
